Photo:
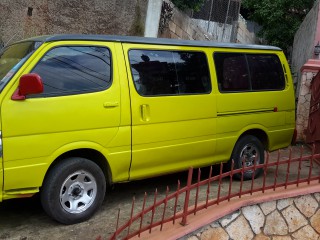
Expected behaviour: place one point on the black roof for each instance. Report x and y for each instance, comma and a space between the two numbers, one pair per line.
148, 40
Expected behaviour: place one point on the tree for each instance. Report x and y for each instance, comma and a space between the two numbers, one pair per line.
188, 4
280, 19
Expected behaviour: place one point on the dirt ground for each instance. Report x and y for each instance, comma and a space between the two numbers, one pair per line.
24, 219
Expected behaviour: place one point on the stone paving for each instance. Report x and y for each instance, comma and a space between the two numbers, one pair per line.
292, 218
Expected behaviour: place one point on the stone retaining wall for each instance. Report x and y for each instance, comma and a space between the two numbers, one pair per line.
303, 105
181, 26
291, 218
309, 71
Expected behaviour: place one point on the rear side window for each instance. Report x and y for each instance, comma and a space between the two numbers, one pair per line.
266, 72
74, 70
157, 72
237, 72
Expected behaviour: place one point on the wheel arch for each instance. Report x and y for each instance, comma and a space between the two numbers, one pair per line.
88, 153
258, 133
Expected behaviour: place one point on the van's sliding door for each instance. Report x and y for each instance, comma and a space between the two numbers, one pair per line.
173, 109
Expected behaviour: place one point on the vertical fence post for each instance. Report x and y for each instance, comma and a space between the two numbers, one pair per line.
130, 221
164, 208
116, 232
187, 197
220, 180
266, 165
208, 187
299, 168
288, 168
311, 163
197, 193
142, 212
276, 172
176, 202
230, 181
153, 209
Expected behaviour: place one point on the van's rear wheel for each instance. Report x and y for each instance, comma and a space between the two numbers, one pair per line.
248, 151
73, 190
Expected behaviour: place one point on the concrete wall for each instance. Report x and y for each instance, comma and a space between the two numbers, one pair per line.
304, 42
125, 17
220, 32
244, 35
181, 26
153, 18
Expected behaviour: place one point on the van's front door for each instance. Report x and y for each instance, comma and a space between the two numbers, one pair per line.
173, 109
79, 109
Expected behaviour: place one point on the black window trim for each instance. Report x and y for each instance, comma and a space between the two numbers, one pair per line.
170, 50
62, 94
249, 73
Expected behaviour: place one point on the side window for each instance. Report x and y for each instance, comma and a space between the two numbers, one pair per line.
157, 72
232, 72
238, 72
74, 70
266, 72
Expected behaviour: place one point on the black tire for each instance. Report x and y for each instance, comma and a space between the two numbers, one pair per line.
252, 149
73, 190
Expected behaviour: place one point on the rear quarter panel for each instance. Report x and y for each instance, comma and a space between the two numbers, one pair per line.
270, 111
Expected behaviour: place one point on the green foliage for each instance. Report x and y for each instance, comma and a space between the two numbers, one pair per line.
280, 19
188, 4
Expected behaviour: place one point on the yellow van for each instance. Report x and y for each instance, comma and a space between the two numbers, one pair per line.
79, 112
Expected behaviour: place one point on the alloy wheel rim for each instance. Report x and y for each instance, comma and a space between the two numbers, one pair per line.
78, 192
249, 155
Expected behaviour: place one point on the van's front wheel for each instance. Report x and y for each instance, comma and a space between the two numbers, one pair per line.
73, 190
248, 151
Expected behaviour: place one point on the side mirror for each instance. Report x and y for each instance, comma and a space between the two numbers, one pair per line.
29, 84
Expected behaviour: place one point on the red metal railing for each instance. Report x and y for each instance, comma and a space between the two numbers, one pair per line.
279, 172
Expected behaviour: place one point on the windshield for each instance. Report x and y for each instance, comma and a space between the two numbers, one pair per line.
12, 58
